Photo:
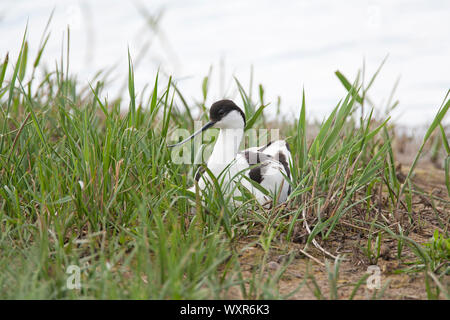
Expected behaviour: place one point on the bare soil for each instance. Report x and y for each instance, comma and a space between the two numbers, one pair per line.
349, 240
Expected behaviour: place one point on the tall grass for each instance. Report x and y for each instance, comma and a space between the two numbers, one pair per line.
85, 183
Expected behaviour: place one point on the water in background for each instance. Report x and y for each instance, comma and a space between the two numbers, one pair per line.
290, 44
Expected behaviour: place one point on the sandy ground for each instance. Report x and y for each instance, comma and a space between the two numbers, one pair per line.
349, 242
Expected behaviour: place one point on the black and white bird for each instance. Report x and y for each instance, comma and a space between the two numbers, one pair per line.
267, 165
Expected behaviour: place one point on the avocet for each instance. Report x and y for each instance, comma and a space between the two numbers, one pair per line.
267, 165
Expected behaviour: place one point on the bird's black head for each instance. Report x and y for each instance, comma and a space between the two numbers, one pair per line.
222, 108
224, 114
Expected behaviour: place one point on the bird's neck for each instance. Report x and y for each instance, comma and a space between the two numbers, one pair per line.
225, 149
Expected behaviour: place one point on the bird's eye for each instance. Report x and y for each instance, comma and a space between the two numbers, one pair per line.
221, 112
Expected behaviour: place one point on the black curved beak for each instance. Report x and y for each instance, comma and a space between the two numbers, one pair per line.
205, 127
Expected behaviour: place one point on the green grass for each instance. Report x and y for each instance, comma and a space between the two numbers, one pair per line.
82, 183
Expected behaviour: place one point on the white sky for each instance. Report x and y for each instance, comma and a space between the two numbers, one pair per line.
290, 44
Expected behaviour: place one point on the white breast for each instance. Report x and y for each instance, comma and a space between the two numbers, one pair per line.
272, 172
